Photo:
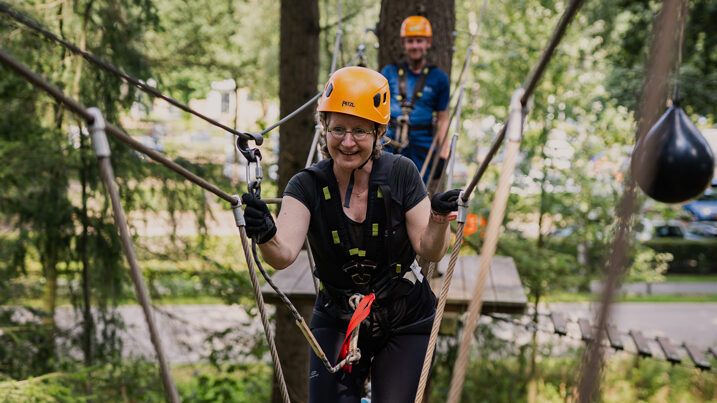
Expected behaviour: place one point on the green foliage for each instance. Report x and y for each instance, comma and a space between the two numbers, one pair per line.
239, 384
542, 270
648, 266
696, 256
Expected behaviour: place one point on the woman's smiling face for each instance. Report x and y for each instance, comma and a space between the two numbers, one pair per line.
348, 152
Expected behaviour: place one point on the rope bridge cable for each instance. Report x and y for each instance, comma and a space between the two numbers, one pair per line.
501, 198
529, 87
551, 331
17, 16
115, 132
515, 127
80, 110
101, 149
459, 84
662, 51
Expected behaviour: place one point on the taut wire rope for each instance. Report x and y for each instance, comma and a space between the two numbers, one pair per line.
661, 53
459, 83
101, 148
513, 130
5, 8
80, 110
495, 221
501, 197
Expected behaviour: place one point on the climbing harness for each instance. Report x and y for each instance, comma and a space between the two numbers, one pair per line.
590, 374
403, 123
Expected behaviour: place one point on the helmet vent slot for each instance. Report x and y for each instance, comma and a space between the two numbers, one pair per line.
377, 100
329, 89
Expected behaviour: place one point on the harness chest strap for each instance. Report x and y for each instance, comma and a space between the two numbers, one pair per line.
417, 88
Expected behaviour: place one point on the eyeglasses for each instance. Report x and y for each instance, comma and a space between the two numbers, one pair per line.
358, 133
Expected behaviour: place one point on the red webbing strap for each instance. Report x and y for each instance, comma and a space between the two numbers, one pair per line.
361, 313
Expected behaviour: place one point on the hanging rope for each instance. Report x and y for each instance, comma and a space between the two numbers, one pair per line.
498, 208
495, 220
101, 148
5, 8
443, 297
459, 83
662, 52
80, 110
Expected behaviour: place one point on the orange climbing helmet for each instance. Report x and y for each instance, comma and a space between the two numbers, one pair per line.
357, 91
416, 25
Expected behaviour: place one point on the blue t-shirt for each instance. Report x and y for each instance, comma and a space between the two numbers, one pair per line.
436, 93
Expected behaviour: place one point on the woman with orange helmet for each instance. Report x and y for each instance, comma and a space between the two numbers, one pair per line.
366, 214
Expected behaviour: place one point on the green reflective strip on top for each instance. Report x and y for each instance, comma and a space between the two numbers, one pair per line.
379, 194
362, 253
321, 286
398, 268
335, 234
374, 229
353, 251
327, 194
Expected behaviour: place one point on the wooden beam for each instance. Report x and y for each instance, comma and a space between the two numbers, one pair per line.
669, 350
697, 357
586, 329
559, 323
643, 348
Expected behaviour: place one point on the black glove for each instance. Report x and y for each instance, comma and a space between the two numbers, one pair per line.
444, 203
259, 222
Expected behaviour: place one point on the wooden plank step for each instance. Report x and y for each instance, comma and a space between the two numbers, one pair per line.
669, 350
643, 348
697, 357
614, 337
586, 329
559, 323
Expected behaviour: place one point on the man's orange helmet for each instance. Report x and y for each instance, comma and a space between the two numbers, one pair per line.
357, 91
416, 25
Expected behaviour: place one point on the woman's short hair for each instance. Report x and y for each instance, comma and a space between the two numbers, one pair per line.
322, 117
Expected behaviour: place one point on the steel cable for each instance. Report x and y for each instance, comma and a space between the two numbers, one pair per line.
17, 16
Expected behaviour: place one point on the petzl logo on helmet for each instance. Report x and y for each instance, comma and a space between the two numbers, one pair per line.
347, 103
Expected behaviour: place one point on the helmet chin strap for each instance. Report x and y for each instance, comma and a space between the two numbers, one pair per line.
350, 187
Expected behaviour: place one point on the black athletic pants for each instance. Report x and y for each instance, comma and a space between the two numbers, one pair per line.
395, 367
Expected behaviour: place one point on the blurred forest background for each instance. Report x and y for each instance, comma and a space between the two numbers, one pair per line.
59, 247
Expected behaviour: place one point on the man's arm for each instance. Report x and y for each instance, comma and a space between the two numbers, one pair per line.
442, 121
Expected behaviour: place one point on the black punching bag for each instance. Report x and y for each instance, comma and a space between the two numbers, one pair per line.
673, 162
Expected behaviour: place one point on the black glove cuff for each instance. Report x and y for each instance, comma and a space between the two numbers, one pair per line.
266, 237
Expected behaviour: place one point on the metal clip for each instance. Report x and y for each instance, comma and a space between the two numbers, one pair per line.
462, 209
100, 145
238, 214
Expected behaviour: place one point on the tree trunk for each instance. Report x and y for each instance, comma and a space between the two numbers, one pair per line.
298, 82
441, 14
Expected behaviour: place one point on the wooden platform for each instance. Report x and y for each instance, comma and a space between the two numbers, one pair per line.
503, 291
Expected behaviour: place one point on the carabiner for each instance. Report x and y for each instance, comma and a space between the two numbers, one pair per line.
252, 155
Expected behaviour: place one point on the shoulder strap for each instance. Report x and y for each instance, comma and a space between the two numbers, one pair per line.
403, 70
